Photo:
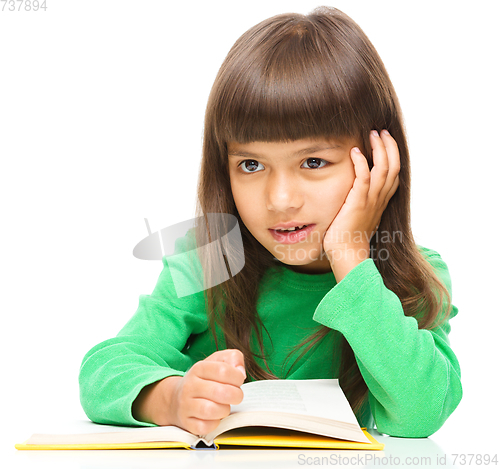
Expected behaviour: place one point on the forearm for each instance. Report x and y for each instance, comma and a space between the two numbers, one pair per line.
412, 375
112, 376
154, 404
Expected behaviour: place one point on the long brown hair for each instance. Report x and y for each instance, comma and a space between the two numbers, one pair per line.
291, 77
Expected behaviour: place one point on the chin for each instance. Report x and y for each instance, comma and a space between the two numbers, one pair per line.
305, 263
295, 255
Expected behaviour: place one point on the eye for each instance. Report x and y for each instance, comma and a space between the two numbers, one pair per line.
317, 162
243, 165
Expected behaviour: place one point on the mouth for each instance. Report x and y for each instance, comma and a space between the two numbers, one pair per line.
292, 236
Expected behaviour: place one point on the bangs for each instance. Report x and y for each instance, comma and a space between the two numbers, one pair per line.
287, 80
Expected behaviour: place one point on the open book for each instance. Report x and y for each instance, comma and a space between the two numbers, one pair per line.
283, 413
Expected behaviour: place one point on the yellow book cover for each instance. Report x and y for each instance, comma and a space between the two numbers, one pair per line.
241, 437
273, 413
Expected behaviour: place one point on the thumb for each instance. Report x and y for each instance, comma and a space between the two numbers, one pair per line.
230, 356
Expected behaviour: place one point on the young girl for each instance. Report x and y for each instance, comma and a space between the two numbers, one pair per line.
303, 127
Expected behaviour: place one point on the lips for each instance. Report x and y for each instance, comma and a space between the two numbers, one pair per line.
289, 224
292, 237
295, 228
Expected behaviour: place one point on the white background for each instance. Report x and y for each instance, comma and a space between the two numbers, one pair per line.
101, 120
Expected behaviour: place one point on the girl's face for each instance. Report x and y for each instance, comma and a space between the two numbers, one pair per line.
305, 181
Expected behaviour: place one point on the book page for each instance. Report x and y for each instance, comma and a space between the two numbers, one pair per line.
314, 397
86, 432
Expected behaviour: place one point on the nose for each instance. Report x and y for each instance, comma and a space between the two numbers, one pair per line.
283, 193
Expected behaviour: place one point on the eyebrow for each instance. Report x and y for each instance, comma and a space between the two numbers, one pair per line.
304, 151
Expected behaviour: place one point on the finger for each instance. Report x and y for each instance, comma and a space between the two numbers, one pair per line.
394, 161
392, 191
220, 393
219, 372
200, 427
233, 357
380, 168
361, 184
205, 409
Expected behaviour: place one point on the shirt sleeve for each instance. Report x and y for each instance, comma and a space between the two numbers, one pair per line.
412, 374
150, 347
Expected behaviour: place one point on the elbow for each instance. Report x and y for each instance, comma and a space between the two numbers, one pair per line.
409, 427
419, 419
404, 429
87, 401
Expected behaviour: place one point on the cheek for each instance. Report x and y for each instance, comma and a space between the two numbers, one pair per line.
234, 191
333, 193
236, 194
243, 200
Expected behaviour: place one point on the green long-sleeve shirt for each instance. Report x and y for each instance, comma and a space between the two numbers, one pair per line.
413, 376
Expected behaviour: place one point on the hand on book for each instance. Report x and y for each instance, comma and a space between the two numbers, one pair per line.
199, 400
204, 395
